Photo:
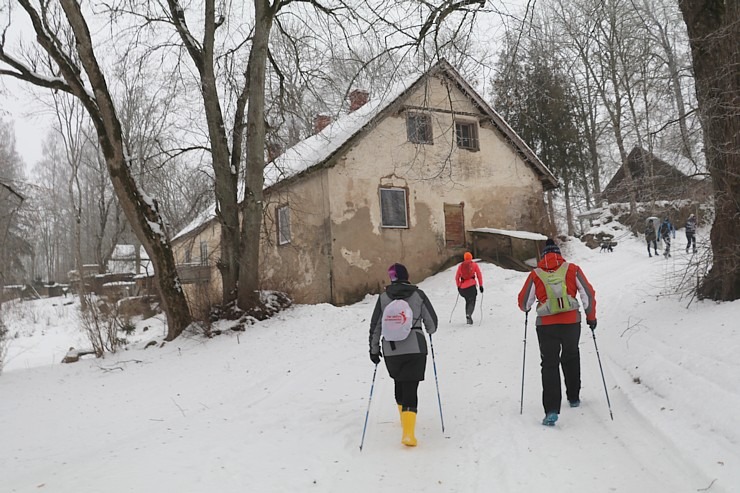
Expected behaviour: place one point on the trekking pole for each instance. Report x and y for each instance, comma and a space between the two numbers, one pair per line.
367, 414
439, 400
593, 334
524, 357
453, 308
481, 310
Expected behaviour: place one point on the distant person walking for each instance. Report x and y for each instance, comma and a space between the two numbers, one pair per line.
665, 231
553, 285
691, 233
469, 279
651, 237
396, 323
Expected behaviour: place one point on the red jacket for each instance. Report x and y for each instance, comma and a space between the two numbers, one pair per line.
463, 282
575, 283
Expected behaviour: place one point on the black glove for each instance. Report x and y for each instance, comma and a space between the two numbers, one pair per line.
375, 358
481, 289
592, 324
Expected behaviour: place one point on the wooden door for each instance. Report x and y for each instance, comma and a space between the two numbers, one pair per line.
454, 225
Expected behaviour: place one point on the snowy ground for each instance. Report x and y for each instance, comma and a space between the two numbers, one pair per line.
281, 407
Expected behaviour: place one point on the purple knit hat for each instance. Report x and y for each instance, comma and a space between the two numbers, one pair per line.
398, 272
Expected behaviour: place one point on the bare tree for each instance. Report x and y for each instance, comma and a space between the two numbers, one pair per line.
714, 33
73, 70
236, 117
13, 243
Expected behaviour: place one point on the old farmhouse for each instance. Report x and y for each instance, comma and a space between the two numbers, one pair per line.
403, 177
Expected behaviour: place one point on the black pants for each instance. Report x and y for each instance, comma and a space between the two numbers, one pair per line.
469, 294
559, 347
690, 238
406, 395
667, 242
655, 246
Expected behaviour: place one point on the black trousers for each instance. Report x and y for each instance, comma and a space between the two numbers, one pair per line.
655, 246
690, 238
559, 348
469, 294
407, 396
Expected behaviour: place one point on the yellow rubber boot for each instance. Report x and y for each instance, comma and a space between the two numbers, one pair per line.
400, 412
408, 421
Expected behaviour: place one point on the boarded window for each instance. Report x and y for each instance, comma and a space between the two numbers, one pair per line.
466, 134
187, 258
419, 128
283, 225
393, 208
203, 253
454, 225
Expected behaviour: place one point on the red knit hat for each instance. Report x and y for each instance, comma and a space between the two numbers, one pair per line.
468, 256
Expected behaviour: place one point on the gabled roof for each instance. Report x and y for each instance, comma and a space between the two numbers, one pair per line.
318, 150
677, 166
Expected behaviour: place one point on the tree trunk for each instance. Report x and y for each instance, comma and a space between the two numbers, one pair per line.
551, 214
225, 169
568, 208
140, 210
255, 163
714, 35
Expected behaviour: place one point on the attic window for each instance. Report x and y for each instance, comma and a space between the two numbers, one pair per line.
419, 128
466, 134
283, 225
393, 208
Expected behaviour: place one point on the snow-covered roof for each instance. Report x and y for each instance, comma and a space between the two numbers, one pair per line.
524, 235
127, 252
318, 148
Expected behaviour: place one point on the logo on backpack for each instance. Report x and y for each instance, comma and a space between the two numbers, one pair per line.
558, 300
397, 320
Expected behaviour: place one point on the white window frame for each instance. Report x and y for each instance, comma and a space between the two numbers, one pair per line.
282, 214
473, 138
393, 193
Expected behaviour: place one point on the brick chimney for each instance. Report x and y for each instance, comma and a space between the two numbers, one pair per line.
357, 99
320, 122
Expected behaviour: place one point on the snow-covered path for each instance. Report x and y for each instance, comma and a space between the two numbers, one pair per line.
282, 408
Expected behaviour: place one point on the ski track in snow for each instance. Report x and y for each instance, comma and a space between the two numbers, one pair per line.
282, 407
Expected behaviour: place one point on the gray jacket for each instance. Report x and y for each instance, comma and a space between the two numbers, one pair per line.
423, 311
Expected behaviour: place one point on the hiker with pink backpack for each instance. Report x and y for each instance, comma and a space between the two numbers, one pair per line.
398, 318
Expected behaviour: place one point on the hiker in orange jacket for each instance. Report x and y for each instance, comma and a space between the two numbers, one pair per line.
554, 284
468, 275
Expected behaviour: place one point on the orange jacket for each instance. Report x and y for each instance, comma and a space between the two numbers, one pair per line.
463, 282
575, 283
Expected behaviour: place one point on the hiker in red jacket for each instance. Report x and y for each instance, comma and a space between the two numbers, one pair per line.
467, 276
554, 284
